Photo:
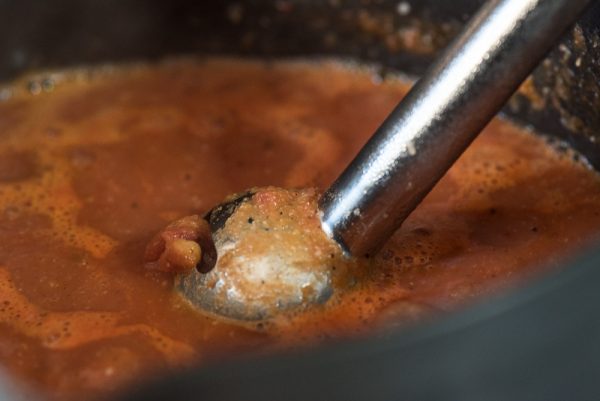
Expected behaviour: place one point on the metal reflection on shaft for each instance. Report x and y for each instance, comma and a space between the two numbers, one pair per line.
439, 118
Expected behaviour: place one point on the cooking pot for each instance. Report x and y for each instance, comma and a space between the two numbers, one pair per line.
538, 342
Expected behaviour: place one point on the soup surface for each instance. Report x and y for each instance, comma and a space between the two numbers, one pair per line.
93, 163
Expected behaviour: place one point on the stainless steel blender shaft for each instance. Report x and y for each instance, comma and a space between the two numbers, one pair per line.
439, 118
